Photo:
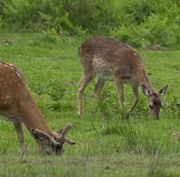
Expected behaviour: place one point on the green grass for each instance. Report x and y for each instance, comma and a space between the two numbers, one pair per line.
109, 147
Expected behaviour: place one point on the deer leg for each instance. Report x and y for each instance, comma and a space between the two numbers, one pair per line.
20, 135
136, 95
119, 85
98, 88
136, 99
82, 84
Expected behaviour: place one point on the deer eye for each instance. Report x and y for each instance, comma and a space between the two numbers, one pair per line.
151, 107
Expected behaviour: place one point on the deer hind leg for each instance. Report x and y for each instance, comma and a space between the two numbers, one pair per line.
82, 85
20, 135
98, 88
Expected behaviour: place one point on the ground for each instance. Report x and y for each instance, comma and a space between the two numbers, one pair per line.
106, 145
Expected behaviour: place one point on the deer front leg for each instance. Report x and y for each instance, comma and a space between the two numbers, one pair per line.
20, 135
119, 85
136, 95
98, 88
136, 99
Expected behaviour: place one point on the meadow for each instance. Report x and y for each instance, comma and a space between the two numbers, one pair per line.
106, 146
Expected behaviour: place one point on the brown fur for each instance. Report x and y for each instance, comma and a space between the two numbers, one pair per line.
18, 105
111, 60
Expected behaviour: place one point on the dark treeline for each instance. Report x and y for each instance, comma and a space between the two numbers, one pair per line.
138, 22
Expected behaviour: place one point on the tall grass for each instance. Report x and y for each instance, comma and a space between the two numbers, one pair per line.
108, 147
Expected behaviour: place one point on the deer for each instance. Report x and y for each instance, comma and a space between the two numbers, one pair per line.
112, 60
18, 106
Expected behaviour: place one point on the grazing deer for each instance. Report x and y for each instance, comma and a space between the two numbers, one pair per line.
114, 60
18, 105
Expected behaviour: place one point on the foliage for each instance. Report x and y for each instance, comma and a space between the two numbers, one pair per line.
138, 22
37, 14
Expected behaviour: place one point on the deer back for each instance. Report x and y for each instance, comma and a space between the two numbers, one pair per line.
107, 57
16, 101
12, 87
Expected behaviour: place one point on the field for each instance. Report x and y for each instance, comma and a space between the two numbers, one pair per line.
106, 146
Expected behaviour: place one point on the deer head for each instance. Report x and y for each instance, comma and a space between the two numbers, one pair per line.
155, 103
52, 144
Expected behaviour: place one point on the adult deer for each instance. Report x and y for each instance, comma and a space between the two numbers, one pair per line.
18, 105
114, 60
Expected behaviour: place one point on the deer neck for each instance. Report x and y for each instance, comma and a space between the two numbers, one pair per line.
31, 115
146, 81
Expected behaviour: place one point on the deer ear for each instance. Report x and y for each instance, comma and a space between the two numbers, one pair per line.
40, 135
145, 90
163, 91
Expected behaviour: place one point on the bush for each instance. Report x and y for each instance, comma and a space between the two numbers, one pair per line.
138, 22
92, 15
37, 14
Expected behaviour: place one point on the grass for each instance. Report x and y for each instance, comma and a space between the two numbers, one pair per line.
109, 147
